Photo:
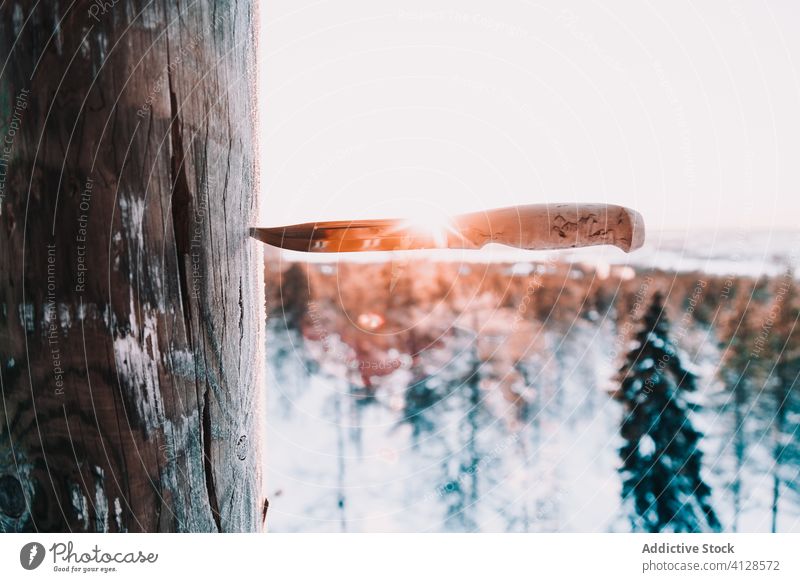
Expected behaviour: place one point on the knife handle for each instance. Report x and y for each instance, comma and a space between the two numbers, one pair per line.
555, 226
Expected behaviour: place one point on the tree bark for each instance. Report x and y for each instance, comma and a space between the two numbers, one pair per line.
131, 303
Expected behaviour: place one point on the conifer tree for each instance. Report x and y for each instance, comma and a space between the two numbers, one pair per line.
295, 294
777, 345
661, 461
737, 325
755, 366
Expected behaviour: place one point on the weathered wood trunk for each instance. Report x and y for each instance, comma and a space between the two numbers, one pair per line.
131, 303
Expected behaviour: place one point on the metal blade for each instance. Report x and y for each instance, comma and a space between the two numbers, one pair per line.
358, 236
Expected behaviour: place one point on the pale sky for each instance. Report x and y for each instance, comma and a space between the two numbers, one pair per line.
687, 111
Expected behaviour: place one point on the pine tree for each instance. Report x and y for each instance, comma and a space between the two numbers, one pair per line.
420, 396
777, 345
739, 327
295, 294
661, 460
421, 393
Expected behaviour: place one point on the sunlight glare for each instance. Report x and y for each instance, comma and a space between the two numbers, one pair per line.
436, 225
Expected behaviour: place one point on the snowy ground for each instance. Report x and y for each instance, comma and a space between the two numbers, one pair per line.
337, 463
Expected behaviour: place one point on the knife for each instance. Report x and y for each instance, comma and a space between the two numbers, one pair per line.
532, 227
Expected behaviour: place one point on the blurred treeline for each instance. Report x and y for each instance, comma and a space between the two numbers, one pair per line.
514, 329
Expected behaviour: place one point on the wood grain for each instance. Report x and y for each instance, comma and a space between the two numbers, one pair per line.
131, 303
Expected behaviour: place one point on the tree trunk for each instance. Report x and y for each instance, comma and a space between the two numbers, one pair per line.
131, 314
776, 493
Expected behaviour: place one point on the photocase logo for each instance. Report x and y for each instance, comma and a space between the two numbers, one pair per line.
31, 555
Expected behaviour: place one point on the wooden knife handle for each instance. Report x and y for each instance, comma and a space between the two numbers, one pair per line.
555, 226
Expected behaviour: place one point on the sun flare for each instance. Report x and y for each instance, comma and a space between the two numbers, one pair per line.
437, 226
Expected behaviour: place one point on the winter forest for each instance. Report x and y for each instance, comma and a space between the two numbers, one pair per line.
561, 393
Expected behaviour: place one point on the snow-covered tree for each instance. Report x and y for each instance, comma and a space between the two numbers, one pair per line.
661, 460
777, 346
741, 458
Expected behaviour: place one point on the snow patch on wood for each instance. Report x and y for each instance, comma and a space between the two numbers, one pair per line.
64, 317
26, 317
137, 356
59, 39
17, 19
118, 515
100, 502
79, 505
